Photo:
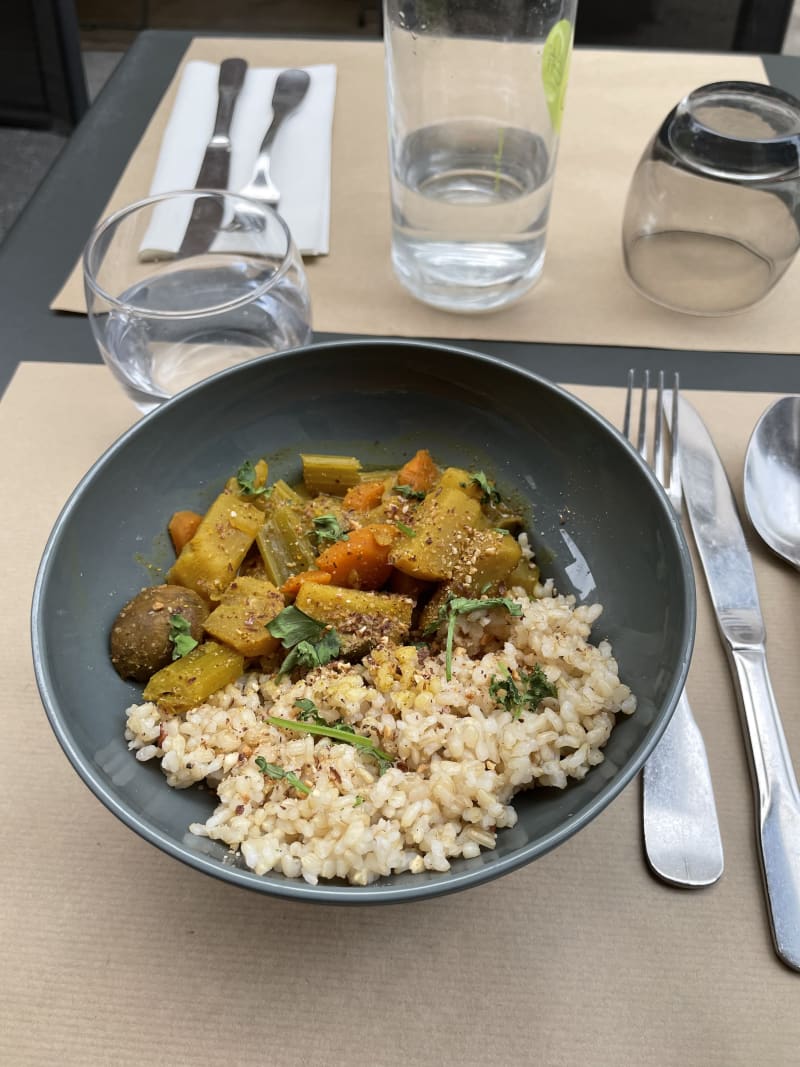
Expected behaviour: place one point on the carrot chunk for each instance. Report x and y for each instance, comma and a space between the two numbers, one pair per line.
363, 497
362, 561
420, 472
182, 528
291, 587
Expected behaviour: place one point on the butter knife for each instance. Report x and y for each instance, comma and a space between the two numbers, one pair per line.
207, 213
731, 582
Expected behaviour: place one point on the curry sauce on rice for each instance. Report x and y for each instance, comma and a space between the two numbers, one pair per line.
378, 669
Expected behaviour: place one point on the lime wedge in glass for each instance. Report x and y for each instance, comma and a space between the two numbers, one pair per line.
555, 69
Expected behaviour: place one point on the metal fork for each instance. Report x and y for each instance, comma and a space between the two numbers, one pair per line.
681, 832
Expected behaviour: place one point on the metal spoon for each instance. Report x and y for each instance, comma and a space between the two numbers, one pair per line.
772, 478
291, 87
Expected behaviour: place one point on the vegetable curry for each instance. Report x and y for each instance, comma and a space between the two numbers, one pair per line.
288, 578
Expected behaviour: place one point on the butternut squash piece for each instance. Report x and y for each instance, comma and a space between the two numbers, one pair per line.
209, 562
182, 527
445, 520
190, 680
361, 561
364, 496
420, 472
241, 617
291, 587
361, 618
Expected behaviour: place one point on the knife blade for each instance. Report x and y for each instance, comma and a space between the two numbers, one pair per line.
207, 213
731, 583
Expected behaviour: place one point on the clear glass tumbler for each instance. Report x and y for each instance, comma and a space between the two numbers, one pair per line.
475, 93
184, 284
712, 218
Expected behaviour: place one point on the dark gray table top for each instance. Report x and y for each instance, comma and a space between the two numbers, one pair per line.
41, 248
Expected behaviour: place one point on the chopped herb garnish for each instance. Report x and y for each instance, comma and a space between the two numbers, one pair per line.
460, 605
180, 634
409, 492
309, 643
291, 626
533, 688
358, 802
274, 771
246, 480
328, 530
406, 529
309, 712
488, 489
344, 734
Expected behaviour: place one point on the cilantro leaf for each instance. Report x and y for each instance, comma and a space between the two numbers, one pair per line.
358, 802
309, 643
534, 687
246, 480
328, 530
291, 626
409, 492
407, 530
488, 489
309, 712
180, 634
328, 647
274, 771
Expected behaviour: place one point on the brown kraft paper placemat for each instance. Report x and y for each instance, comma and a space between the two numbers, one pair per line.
616, 100
116, 953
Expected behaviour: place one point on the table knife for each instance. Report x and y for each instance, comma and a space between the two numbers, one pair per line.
207, 214
731, 582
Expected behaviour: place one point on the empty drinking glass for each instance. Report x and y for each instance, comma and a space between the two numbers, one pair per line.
184, 284
712, 219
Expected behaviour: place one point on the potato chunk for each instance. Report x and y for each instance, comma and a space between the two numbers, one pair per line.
241, 617
209, 562
445, 520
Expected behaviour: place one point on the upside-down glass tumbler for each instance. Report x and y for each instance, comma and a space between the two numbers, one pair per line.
712, 219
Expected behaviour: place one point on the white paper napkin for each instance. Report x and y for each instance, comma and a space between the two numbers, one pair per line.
301, 155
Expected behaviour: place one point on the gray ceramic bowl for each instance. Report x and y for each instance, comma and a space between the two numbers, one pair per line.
601, 525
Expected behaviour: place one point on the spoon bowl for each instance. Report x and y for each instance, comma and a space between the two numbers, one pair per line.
772, 478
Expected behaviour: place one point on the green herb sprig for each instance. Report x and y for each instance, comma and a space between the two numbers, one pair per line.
328, 530
309, 712
272, 770
180, 634
460, 605
534, 687
407, 530
409, 492
488, 489
309, 643
336, 733
246, 480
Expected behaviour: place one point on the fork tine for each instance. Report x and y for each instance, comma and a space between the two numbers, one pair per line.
658, 437
675, 487
626, 418
641, 440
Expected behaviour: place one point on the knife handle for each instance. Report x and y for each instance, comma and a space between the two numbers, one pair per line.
778, 800
231, 79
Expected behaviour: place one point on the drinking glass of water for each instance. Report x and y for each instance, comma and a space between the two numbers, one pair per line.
184, 284
712, 218
475, 93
